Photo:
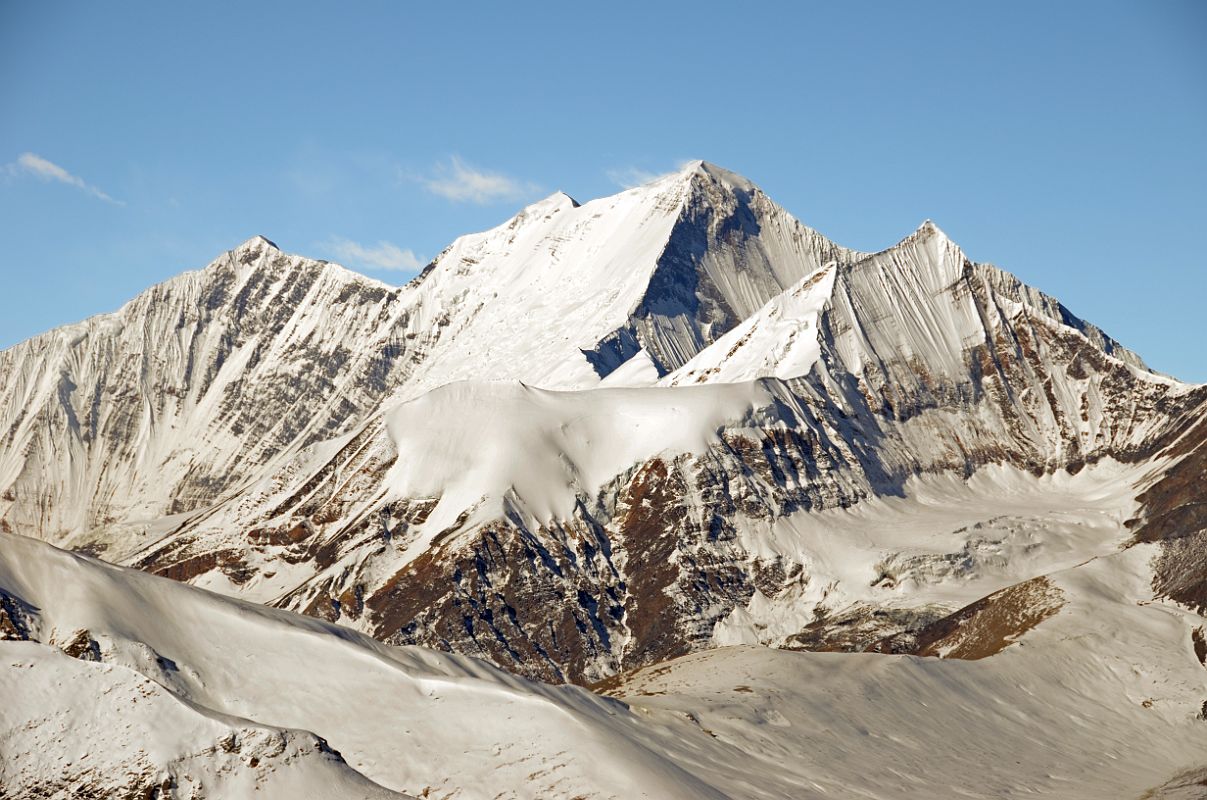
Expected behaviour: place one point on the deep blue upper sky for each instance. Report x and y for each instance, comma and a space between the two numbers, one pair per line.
1065, 142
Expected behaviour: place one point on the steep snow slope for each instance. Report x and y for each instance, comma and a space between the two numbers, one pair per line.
916, 313
562, 294
190, 390
781, 340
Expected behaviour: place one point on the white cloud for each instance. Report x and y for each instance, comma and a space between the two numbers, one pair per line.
461, 183
628, 177
383, 255
32, 164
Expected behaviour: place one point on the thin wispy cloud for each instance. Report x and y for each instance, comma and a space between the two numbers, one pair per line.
383, 255
35, 165
629, 177
462, 183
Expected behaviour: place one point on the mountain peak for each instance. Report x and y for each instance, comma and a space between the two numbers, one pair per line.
727, 178
929, 229
257, 242
926, 232
558, 199
254, 249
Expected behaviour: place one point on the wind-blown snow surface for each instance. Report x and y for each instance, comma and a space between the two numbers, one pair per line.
405, 718
76, 728
467, 441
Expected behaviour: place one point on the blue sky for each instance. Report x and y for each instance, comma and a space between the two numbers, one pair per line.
1066, 142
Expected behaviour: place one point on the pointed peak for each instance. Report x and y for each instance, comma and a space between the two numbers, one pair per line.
254, 248
550, 205
557, 199
928, 235
258, 242
690, 172
728, 178
928, 228
925, 232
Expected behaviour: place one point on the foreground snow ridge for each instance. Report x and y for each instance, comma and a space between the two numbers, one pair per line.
177, 690
662, 495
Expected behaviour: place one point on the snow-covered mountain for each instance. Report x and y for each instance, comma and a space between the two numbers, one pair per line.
186, 392
591, 441
194, 387
569, 535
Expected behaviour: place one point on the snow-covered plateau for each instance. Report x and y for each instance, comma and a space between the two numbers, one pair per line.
662, 495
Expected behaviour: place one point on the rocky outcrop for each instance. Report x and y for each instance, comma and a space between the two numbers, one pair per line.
1174, 514
983, 628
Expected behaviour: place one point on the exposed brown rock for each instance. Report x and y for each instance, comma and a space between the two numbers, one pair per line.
1174, 513
81, 645
296, 533
983, 628
13, 619
650, 510
861, 627
549, 613
229, 561
1188, 785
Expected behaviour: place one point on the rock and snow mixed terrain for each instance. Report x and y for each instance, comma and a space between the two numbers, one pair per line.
592, 446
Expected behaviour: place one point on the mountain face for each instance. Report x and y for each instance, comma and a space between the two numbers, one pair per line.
643, 523
186, 392
717, 384
592, 446
189, 391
